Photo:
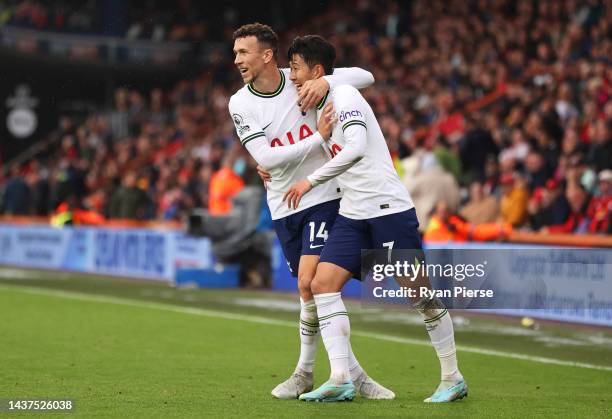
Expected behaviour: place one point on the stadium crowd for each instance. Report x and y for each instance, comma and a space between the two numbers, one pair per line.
148, 20
151, 20
55, 16
499, 109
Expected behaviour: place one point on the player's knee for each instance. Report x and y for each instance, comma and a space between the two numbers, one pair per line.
320, 285
304, 281
304, 285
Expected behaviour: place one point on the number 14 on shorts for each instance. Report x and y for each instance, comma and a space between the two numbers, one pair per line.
320, 234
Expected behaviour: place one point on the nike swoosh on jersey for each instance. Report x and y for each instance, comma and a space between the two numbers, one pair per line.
264, 128
318, 245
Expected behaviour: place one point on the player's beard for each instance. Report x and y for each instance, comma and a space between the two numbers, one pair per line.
246, 80
253, 78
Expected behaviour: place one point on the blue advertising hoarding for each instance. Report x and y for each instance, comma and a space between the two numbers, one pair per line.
157, 255
136, 253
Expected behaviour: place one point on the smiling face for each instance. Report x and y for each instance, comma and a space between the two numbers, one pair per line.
301, 72
250, 58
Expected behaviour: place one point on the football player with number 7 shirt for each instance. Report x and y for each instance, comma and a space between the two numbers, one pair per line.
376, 212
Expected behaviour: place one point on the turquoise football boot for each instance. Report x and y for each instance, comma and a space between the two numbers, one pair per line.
446, 393
330, 392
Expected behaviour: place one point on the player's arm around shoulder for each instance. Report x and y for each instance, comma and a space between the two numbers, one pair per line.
254, 139
312, 91
352, 76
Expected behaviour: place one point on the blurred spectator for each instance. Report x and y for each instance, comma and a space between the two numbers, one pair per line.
578, 172
600, 208
128, 201
491, 171
475, 147
600, 154
137, 114
447, 158
39, 185
429, 184
159, 114
481, 208
536, 170
518, 149
564, 105
513, 205
119, 116
17, 195
548, 206
577, 221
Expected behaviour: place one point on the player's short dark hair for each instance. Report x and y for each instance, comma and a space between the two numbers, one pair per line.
265, 35
314, 49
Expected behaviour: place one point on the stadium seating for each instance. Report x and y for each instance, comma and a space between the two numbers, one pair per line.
512, 91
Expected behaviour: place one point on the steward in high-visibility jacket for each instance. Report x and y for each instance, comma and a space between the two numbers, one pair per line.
224, 185
446, 227
66, 215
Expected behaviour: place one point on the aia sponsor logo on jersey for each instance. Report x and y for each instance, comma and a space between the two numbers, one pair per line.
305, 132
335, 149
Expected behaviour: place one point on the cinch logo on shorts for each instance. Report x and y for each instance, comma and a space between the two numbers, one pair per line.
344, 115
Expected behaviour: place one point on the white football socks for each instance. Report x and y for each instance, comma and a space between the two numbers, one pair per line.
309, 338
354, 366
309, 335
440, 328
335, 331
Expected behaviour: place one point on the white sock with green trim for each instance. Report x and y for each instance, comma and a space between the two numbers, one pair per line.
440, 328
309, 335
335, 331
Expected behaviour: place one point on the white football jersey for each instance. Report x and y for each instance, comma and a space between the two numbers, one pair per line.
371, 187
283, 140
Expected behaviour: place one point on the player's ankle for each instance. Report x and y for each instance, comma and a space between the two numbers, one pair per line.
356, 371
455, 376
304, 370
340, 379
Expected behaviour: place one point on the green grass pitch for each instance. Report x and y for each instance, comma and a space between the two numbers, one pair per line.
135, 349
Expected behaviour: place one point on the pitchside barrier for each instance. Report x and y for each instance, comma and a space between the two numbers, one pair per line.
139, 253
173, 257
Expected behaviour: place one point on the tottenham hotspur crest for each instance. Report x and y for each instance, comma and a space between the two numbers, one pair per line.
240, 124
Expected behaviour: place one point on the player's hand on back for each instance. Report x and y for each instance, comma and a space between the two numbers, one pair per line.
311, 93
295, 193
326, 121
264, 174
